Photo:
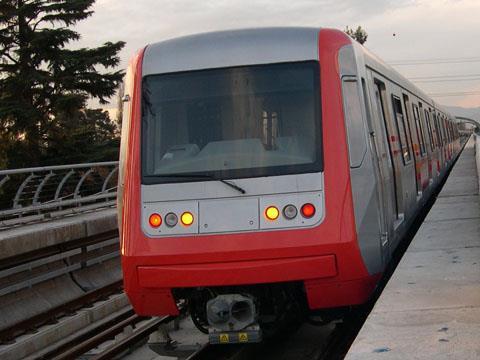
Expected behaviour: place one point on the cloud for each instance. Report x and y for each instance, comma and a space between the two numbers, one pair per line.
423, 28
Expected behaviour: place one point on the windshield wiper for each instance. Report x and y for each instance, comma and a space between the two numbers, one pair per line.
205, 176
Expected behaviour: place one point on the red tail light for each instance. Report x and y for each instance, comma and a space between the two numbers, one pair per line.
155, 220
307, 210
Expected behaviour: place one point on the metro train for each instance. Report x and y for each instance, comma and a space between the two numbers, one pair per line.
266, 172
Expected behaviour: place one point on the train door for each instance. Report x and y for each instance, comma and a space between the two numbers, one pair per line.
436, 121
438, 143
428, 142
433, 146
394, 150
404, 163
386, 166
422, 144
385, 191
414, 140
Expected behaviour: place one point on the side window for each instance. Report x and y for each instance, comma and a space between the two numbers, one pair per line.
408, 121
445, 130
419, 129
354, 121
436, 130
401, 128
429, 130
442, 128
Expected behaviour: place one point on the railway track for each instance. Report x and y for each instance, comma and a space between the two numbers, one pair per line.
121, 329
105, 338
132, 327
9, 334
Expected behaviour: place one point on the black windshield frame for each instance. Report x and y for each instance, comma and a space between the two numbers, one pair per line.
252, 172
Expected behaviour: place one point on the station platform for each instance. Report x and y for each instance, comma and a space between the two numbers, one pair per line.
430, 308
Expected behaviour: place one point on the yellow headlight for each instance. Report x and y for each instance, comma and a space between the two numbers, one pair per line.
187, 218
271, 213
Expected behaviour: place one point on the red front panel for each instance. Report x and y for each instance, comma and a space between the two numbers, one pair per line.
152, 266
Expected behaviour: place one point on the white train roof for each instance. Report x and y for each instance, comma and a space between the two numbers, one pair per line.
231, 48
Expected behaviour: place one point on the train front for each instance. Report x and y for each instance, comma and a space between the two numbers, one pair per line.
224, 178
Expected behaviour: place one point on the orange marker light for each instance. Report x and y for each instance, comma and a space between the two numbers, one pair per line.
155, 220
271, 213
308, 210
187, 218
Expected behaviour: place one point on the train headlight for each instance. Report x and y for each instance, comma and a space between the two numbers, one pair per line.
187, 218
271, 213
171, 219
155, 220
308, 210
290, 212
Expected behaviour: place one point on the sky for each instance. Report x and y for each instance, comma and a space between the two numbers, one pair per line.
401, 31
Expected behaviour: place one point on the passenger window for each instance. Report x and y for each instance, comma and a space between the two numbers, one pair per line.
354, 121
401, 128
419, 129
429, 129
445, 130
440, 126
436, 130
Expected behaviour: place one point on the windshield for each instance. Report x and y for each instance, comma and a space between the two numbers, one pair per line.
231, 123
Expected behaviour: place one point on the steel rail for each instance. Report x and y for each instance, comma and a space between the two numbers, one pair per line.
98, 336
140, 333
107, 331
79, 343
21, 327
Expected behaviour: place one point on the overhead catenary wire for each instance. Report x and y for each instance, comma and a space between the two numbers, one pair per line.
444, 76
461, 93
444, 80
434, 61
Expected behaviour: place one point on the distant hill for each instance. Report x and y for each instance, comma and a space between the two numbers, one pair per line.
473, 113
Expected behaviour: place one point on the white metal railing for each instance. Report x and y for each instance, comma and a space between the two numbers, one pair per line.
34, 194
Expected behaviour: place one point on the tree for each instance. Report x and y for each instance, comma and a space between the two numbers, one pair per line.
40, 78
359, 34
84, 135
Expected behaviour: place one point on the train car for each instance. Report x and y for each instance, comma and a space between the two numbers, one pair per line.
267, 172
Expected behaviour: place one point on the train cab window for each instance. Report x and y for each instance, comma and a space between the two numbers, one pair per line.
357, 145
237, 122
419, 129
401, 128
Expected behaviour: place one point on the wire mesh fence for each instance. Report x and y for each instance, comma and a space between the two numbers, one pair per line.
35, 194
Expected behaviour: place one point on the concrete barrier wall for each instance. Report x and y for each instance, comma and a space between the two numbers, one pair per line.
29, 301
32, 237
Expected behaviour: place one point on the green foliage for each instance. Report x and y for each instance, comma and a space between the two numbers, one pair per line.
42, 81
85, 135
359, 34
